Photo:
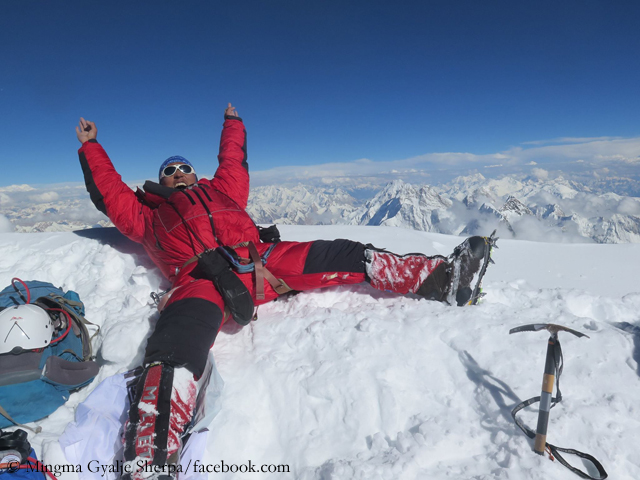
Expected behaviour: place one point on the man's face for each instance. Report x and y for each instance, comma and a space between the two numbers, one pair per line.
178, 179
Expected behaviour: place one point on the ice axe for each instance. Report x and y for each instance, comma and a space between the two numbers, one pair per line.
553, 366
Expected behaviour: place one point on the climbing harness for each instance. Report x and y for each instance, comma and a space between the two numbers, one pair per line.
255, 264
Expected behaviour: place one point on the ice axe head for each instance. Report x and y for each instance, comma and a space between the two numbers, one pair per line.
552, 328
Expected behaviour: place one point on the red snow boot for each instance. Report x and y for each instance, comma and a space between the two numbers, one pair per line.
455, 280
162, 407
411, 273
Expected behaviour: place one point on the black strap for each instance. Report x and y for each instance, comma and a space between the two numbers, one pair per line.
601, 471
204, 204
559, 364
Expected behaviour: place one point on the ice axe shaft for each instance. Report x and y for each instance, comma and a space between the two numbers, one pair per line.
545, 397
551, 366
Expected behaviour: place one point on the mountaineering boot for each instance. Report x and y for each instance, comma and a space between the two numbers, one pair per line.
163, 404
410, 273
455, 280
469, 262
436, 286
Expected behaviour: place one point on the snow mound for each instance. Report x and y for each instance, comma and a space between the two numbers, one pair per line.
354, 383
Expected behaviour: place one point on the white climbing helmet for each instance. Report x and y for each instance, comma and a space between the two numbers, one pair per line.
24, 327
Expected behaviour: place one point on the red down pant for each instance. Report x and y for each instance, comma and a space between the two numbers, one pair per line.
192, 317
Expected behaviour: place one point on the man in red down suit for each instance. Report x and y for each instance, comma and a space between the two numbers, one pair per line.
199, 235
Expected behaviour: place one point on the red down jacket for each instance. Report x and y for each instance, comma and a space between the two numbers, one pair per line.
155, 221
212, 213
174, 229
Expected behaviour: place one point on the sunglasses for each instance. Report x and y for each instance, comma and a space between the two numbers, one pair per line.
171, 170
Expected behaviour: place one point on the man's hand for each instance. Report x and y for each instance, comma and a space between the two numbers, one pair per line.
230, 111
87, 130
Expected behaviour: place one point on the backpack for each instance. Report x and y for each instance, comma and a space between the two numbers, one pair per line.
35, 382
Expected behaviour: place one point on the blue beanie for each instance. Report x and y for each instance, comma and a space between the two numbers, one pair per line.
174, 159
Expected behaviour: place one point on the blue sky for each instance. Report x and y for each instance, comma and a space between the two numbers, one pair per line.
315, 81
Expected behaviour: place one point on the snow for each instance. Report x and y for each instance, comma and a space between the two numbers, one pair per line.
354, 383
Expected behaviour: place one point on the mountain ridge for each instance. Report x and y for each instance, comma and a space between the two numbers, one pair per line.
524, 207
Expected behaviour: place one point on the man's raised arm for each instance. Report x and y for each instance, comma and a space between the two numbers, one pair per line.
232, 176
106, 189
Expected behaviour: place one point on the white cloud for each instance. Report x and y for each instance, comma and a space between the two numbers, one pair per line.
421, 166
540, 173
17, 188
583, 153
598, 150
5, 225
629, 206
556, 141
5, 199
45, 197
617, 158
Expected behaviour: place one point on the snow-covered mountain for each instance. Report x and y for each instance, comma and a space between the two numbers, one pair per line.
300, 205
526, 208
57, 215
353, 383
619, 229
401, 204
534, 207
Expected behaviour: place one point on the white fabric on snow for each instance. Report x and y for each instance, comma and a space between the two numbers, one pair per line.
95, 435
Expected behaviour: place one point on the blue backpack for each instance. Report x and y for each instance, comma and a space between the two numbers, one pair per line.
34, 383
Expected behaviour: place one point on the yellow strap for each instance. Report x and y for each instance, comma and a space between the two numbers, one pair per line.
190, 261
